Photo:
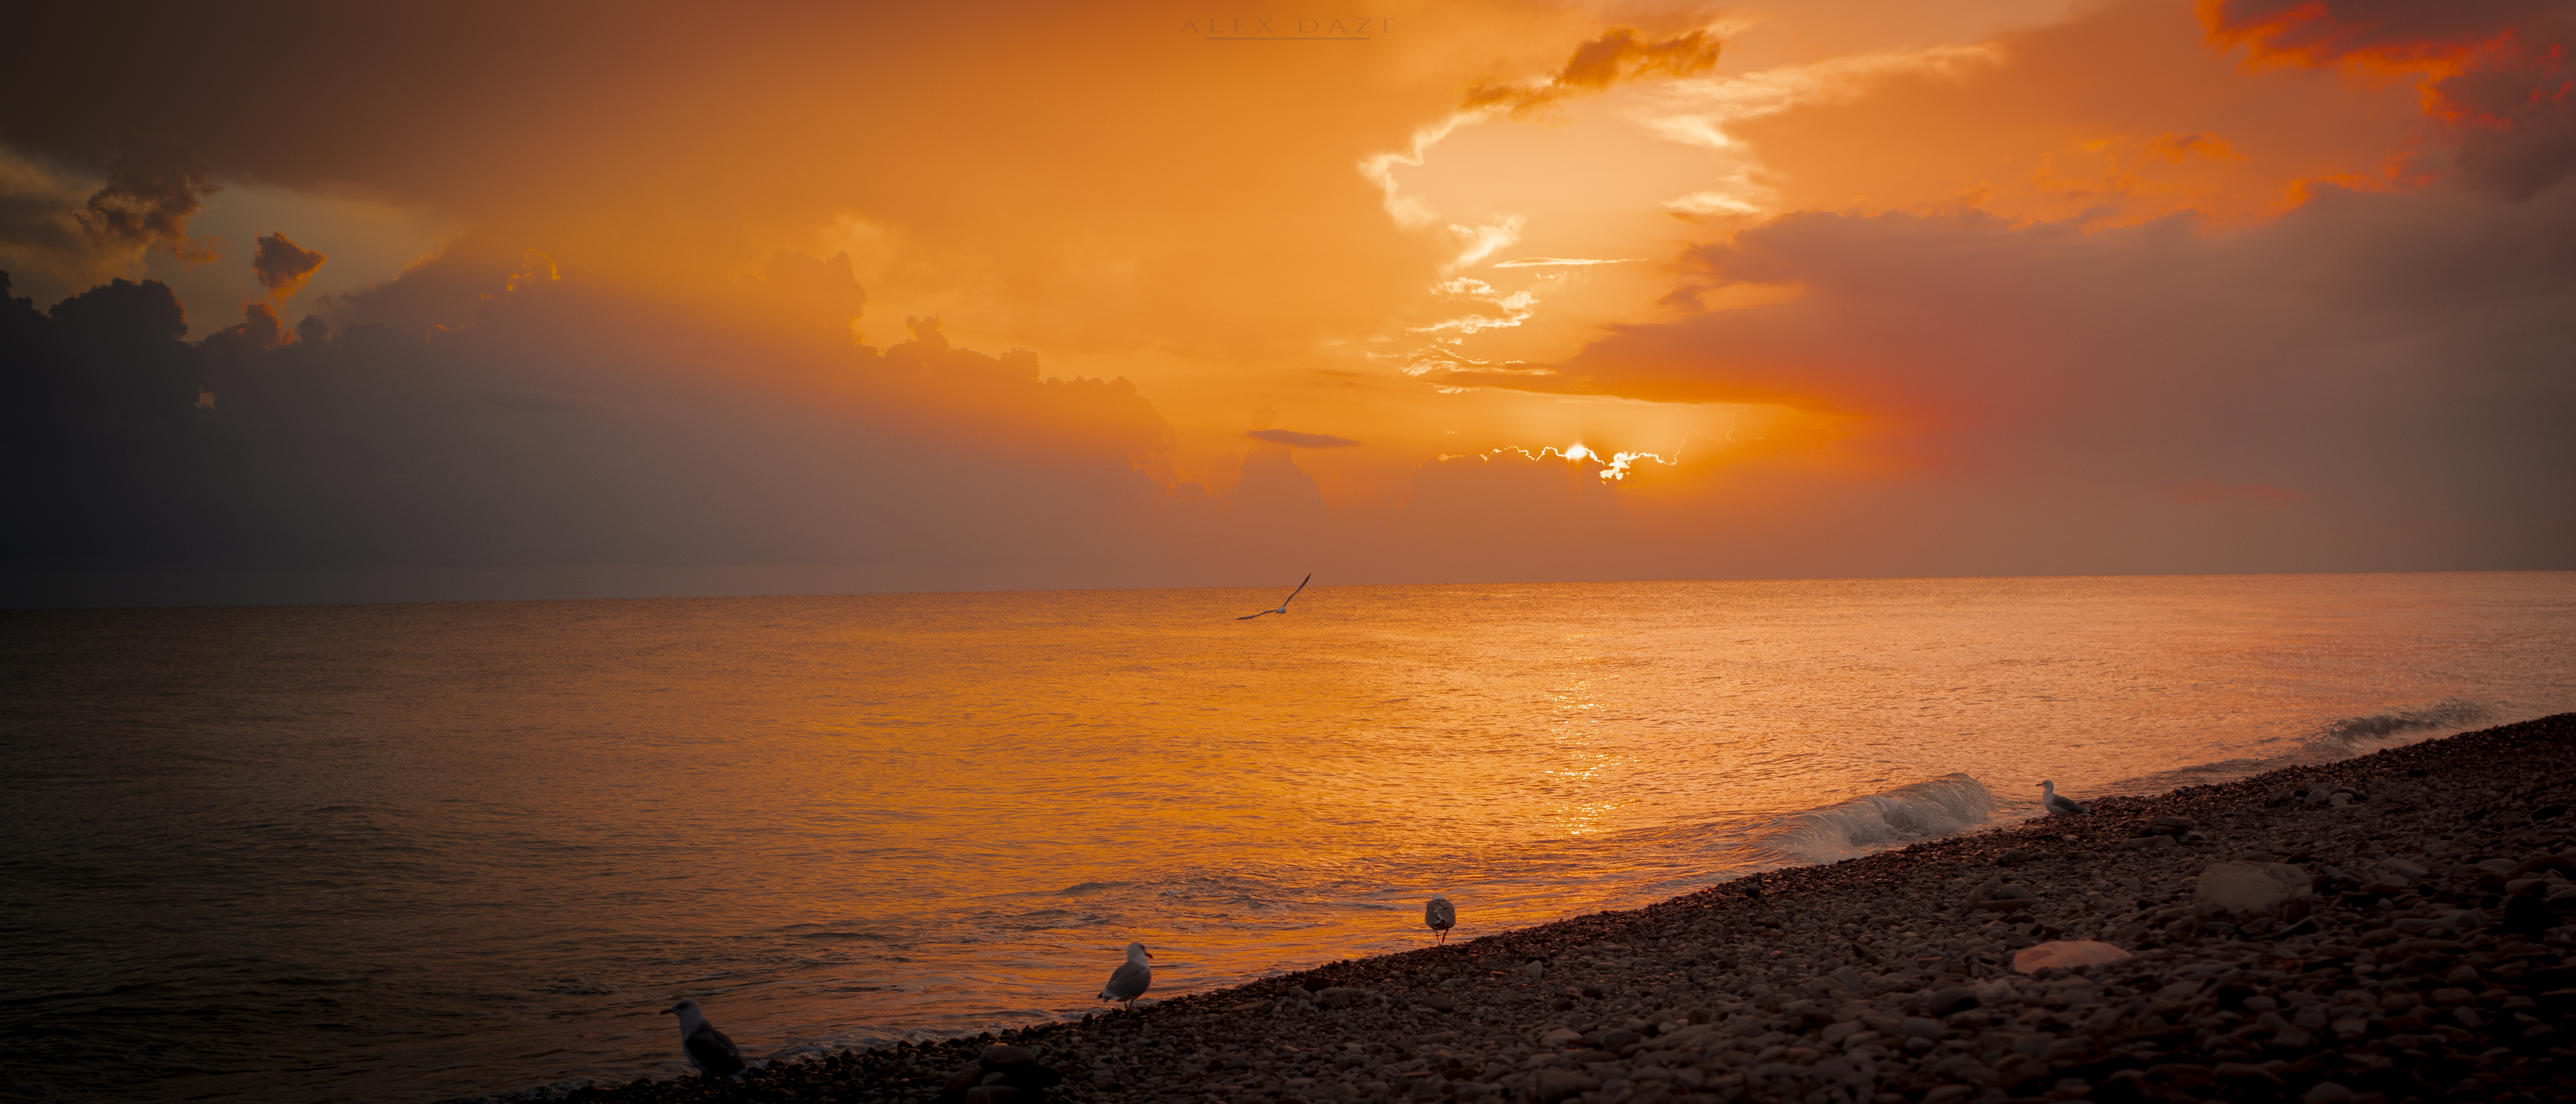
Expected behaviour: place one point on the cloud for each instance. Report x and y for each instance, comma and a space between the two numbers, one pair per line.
1294, 439
152, 190
1560, 262
1619, 54
284, 266
2500, 68
2383, 353
259, 330
38, 217
545, 427
2123, 112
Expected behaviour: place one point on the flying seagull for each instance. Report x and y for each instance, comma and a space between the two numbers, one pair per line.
1283, 603
1130, 981
708, 1049
1440, 916
2058, 804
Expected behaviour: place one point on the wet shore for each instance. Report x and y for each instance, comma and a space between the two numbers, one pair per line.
2387, 928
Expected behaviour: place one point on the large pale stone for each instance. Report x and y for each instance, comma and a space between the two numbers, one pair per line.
2066, 952
2247, 889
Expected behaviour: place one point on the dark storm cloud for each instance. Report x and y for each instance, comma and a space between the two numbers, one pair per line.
260, 329
543, 429
2510, 104
284, 266
152, 190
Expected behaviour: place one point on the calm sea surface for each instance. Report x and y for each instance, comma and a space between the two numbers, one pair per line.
411, 852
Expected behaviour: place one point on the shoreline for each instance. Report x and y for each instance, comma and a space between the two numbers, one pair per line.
2394, 938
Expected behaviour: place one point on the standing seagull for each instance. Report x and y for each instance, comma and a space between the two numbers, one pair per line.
1440, 916
1283, 603
2059, 805
708, 1049
1130, 981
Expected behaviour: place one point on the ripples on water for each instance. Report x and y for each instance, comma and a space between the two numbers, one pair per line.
417, 851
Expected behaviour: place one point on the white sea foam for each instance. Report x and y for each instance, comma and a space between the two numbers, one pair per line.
1932, 807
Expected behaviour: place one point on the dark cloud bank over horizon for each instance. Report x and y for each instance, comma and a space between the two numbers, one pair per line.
2375, 382
483, 427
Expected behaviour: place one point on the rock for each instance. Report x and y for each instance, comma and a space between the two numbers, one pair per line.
1340, 996
1563, 1036
995, 1094
1440, 1001
996, 1057
2241, 889
1850, 978
2529, 916
1957, 998
1534, 969
2327, 1092
1556, 1084
2068, 953
2541, 862
2014, 857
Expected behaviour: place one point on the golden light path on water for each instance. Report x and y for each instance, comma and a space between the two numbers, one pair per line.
495, 838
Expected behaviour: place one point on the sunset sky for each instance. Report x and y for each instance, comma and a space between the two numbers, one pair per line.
527, 300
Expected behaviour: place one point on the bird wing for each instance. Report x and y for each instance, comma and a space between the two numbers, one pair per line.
712, 1051
1129, 982
1301, 589
1250, 616
1439, 914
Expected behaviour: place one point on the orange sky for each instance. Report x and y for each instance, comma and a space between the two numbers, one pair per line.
1905, 289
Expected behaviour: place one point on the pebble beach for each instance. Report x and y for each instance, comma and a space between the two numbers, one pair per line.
2383, 929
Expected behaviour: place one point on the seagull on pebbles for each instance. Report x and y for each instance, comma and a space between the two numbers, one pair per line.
1440, 916
1283, 603
2058, 804
708, 1049
1130, 981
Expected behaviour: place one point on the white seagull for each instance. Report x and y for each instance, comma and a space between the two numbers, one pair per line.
2058, 804
708, 1049
1440, 916
1130, 981
1283, 603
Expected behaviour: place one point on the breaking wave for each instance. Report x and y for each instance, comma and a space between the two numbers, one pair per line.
1934, 807
2341, 738
2350, 736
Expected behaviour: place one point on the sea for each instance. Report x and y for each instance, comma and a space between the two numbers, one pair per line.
428, 851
